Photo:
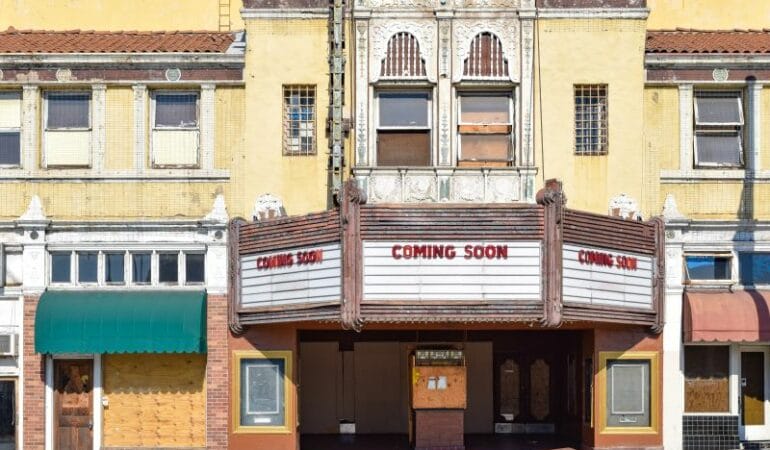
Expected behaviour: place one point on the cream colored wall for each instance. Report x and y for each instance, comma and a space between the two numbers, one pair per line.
282, 52
708, 14
119, 125
764, 152
141, 15
591, 51
230, 109
712, 200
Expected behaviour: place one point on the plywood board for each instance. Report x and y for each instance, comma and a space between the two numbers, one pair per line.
439, 387
479, 410
319, 368
378, 388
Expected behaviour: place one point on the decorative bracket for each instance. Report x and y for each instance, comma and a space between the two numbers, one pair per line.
552, 198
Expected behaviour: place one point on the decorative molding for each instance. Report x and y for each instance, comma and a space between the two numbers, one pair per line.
174, 74
362, 92
685, 127
526, 90
34, 212
508, 4
754, 147
670, 209
380, 32
707, 60
285, 13
397, 4
268, 207
124, 59
63, 75
140, 127
593, 13
506, 30
624, 206
98, 126
720, 75
218, 211
30, 129
420, 188
207, 126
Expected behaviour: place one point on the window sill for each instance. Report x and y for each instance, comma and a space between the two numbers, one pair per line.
77, 174
706, 175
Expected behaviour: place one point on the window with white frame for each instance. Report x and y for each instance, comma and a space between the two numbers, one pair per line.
718, 128
133, 267
175, 129
67, 122
403, 129
299, 118
705, 268
10, 129
485, 129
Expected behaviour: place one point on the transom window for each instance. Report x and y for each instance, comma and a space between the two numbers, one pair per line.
119, 268
591, 133
718, 128
702, 268
485, 129
403, 129
299, 114
10, 129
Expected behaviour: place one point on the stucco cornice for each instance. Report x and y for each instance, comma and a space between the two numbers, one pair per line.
284, 13
593, 13
707, 60
180, 59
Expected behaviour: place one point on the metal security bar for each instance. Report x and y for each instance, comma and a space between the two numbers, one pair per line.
485, 59
299, 114
403, 59
591, 119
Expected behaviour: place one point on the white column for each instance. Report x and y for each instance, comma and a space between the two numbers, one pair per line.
30, 128
361, 93
673, 358
444, 98
207, 126
98, 126
526, 155
686, 160
754, 123
140, 127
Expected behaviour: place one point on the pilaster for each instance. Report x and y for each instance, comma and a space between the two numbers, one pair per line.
140, 127
30, 127
98, 126
207, 126
685, 127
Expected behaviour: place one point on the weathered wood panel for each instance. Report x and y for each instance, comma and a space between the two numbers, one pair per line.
609, 232
516, 277
156, 400
312, 229
604, 285
294, 284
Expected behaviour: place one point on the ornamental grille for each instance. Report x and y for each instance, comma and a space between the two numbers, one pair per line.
403, 59
485, 59
591, 119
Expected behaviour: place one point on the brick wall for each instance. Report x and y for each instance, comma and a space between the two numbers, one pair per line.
439, 429
217, 376
34, 382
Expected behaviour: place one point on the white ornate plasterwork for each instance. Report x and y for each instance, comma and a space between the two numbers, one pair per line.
34, 211
502, 188
670, 209
268, 206
362, 92
468, 188
487, 3
526, 149
399, 4
624, 206
218, 211
385, 188
380, 32
420, 188
507, 30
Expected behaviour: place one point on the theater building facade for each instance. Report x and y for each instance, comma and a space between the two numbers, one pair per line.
446, 325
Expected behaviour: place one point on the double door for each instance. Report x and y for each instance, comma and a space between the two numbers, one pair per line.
526, 392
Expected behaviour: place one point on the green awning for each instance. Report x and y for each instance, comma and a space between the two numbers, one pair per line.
121, 322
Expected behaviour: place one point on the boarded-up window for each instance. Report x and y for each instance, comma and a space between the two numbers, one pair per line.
485, 129
718, 129
485, 58
10, 129
403, 59
403, 133
67, 140
706, 379
175, 131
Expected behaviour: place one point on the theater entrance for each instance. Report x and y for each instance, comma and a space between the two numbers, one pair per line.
521, 388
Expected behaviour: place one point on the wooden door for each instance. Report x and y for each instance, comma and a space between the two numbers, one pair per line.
73, 404
753, 388
525, 393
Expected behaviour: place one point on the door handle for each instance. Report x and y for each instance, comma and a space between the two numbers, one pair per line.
90, 425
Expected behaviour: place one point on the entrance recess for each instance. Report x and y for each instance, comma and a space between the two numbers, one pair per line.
754, 390
73, 406
524, 394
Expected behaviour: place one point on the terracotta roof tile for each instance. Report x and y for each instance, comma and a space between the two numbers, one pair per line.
77, 41
701, 41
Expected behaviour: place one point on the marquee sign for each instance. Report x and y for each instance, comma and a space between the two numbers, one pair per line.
299, 275
458, 270
598, 276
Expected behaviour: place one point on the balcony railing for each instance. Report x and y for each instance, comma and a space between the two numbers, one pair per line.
447, 184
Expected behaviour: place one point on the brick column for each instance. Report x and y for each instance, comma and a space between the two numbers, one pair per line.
34, 382
217, 374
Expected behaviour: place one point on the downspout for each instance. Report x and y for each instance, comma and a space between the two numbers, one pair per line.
336, 97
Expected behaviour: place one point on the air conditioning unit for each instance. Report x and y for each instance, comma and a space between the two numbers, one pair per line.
8, 345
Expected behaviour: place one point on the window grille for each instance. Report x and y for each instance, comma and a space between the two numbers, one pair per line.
299, 120
591, 133
486, 59
403, 59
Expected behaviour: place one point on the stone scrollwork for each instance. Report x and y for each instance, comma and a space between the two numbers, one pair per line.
503, 188
385, 188
420, 188
380, 32
401, 4
506, 30
487, 3
468, 188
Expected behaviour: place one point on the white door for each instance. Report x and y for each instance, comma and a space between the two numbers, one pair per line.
753, 396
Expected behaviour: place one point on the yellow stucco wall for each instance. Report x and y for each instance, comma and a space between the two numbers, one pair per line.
567, 56
708, 14
282, 52
119, 124
708, 200
119, 15
230, 126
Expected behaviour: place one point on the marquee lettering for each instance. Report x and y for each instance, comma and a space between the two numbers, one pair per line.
593, 258
448, 251
281, 260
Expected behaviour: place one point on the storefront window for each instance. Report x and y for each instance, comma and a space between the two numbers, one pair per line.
262, 391
754, 268
706, 379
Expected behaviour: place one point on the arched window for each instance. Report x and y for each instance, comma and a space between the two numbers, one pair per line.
403, 59
485, 58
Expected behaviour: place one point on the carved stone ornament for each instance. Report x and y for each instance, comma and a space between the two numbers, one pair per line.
670, 209
268, 207
468, 188
487, 3
420, 188
173, 74
720, 74
624, 206
218, 212
63, 75
400, 4
380, 32
385, 188
506, 30
503, 189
